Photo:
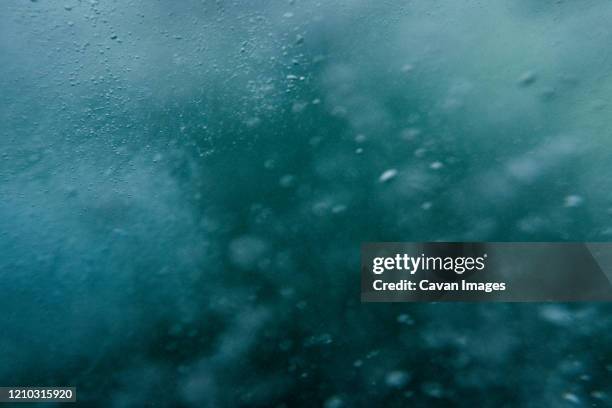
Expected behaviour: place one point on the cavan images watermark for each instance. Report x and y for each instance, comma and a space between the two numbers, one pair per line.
413, 264
477, 271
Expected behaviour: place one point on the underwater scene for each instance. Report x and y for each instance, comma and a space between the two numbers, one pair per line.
185, 187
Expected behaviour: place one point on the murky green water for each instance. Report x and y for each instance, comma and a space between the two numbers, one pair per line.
184, 187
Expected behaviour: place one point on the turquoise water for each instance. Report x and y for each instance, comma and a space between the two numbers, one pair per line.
184, 187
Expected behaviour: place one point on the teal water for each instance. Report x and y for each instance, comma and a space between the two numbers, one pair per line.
184, 187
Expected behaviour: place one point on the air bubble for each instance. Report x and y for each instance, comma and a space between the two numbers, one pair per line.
387, 175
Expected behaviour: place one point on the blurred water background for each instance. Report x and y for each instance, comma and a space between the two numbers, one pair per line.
184, 187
